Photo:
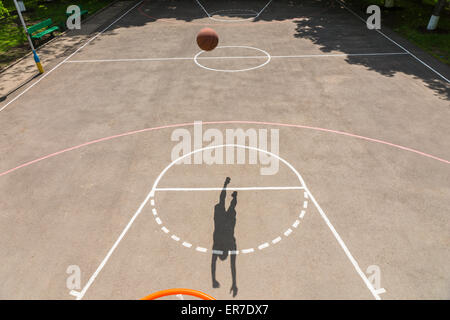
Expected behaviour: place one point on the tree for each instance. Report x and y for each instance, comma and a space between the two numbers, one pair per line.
432, 24
3, 11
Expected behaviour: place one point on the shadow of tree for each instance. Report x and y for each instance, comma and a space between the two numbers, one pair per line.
326, 23
336, 30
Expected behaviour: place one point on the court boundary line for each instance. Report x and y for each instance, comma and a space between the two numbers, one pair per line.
343, 246
70, 56
151, 195
259, 13
228, 188
203, 8
394, 42
241, 57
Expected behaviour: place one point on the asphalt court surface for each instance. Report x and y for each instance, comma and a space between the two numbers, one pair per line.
328, 84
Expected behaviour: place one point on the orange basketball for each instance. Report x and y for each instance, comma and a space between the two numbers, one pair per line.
207, 39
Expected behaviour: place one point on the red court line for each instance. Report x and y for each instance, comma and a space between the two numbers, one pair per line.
226, 122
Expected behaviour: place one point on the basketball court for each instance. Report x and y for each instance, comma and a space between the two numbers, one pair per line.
360, 180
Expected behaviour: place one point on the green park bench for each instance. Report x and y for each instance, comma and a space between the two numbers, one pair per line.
35, 30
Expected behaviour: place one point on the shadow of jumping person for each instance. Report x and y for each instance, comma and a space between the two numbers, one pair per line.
224, 241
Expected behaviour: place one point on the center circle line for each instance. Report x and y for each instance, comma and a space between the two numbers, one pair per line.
268, 57
210, 15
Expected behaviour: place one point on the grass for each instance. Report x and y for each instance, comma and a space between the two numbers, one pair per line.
13, 42
409, 18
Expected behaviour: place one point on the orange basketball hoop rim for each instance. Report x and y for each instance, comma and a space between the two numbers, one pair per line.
175, 291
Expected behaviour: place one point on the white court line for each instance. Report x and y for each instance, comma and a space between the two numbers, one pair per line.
166, 59
381, 290
113, 248
230, 188
74, 293
343, 55
247, 250
201, 249
263, 8
240, 14
251, 15
394, 42
243, 57
343, 246
302, 214
209, 15
127, 60
276, 240
187, 244
198, 2
70, 56
151, 194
